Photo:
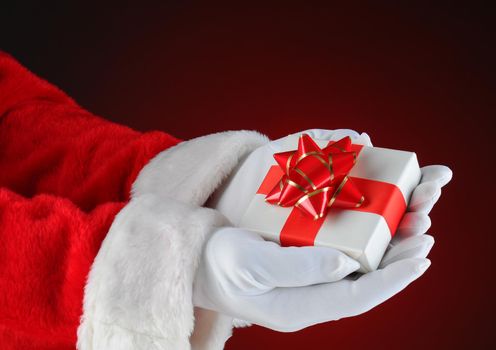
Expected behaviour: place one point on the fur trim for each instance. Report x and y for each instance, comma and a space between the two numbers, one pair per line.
138, 294
241, 323
192, 170
211, 330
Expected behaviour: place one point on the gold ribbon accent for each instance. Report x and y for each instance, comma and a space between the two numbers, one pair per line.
331, 170
359, 204
338, 191
312, 153
305, 176
294, 184
288, 162
311, 194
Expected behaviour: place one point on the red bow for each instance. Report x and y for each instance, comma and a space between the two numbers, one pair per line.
316, 179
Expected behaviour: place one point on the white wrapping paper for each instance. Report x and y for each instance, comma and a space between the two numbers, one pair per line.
364, 236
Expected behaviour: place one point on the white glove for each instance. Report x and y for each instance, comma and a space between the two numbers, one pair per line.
290, 288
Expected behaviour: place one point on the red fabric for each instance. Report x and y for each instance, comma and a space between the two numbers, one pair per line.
64, 175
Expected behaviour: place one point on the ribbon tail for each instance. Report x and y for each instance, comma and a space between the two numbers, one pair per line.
347, 195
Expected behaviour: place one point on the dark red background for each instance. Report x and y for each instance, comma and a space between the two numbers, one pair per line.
414, 76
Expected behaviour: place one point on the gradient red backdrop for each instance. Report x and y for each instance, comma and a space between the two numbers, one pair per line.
414, 76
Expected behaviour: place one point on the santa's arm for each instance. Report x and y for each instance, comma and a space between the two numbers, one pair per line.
138, 294
47, 245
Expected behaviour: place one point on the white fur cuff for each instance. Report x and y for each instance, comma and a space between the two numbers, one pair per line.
139, 291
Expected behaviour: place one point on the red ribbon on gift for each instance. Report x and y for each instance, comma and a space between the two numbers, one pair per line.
316, 179
312, 180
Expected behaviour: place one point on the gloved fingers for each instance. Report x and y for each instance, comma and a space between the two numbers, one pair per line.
267, 265
324, 134
363, 139
440, 174
291, 309
427, 193
413, 224
278, 266
412, 247
376, 287
424, 196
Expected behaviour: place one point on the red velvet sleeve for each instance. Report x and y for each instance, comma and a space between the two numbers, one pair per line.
47, 245
64, 175
49, 144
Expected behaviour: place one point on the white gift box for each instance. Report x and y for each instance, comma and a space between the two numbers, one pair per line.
363, 235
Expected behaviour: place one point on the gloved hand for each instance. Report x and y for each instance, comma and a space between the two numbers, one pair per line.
410, 240
290, 288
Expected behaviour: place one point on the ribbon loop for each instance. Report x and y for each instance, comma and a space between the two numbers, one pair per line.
316, 178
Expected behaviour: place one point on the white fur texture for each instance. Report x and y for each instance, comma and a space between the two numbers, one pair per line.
192, 170
211, 330
138, 293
